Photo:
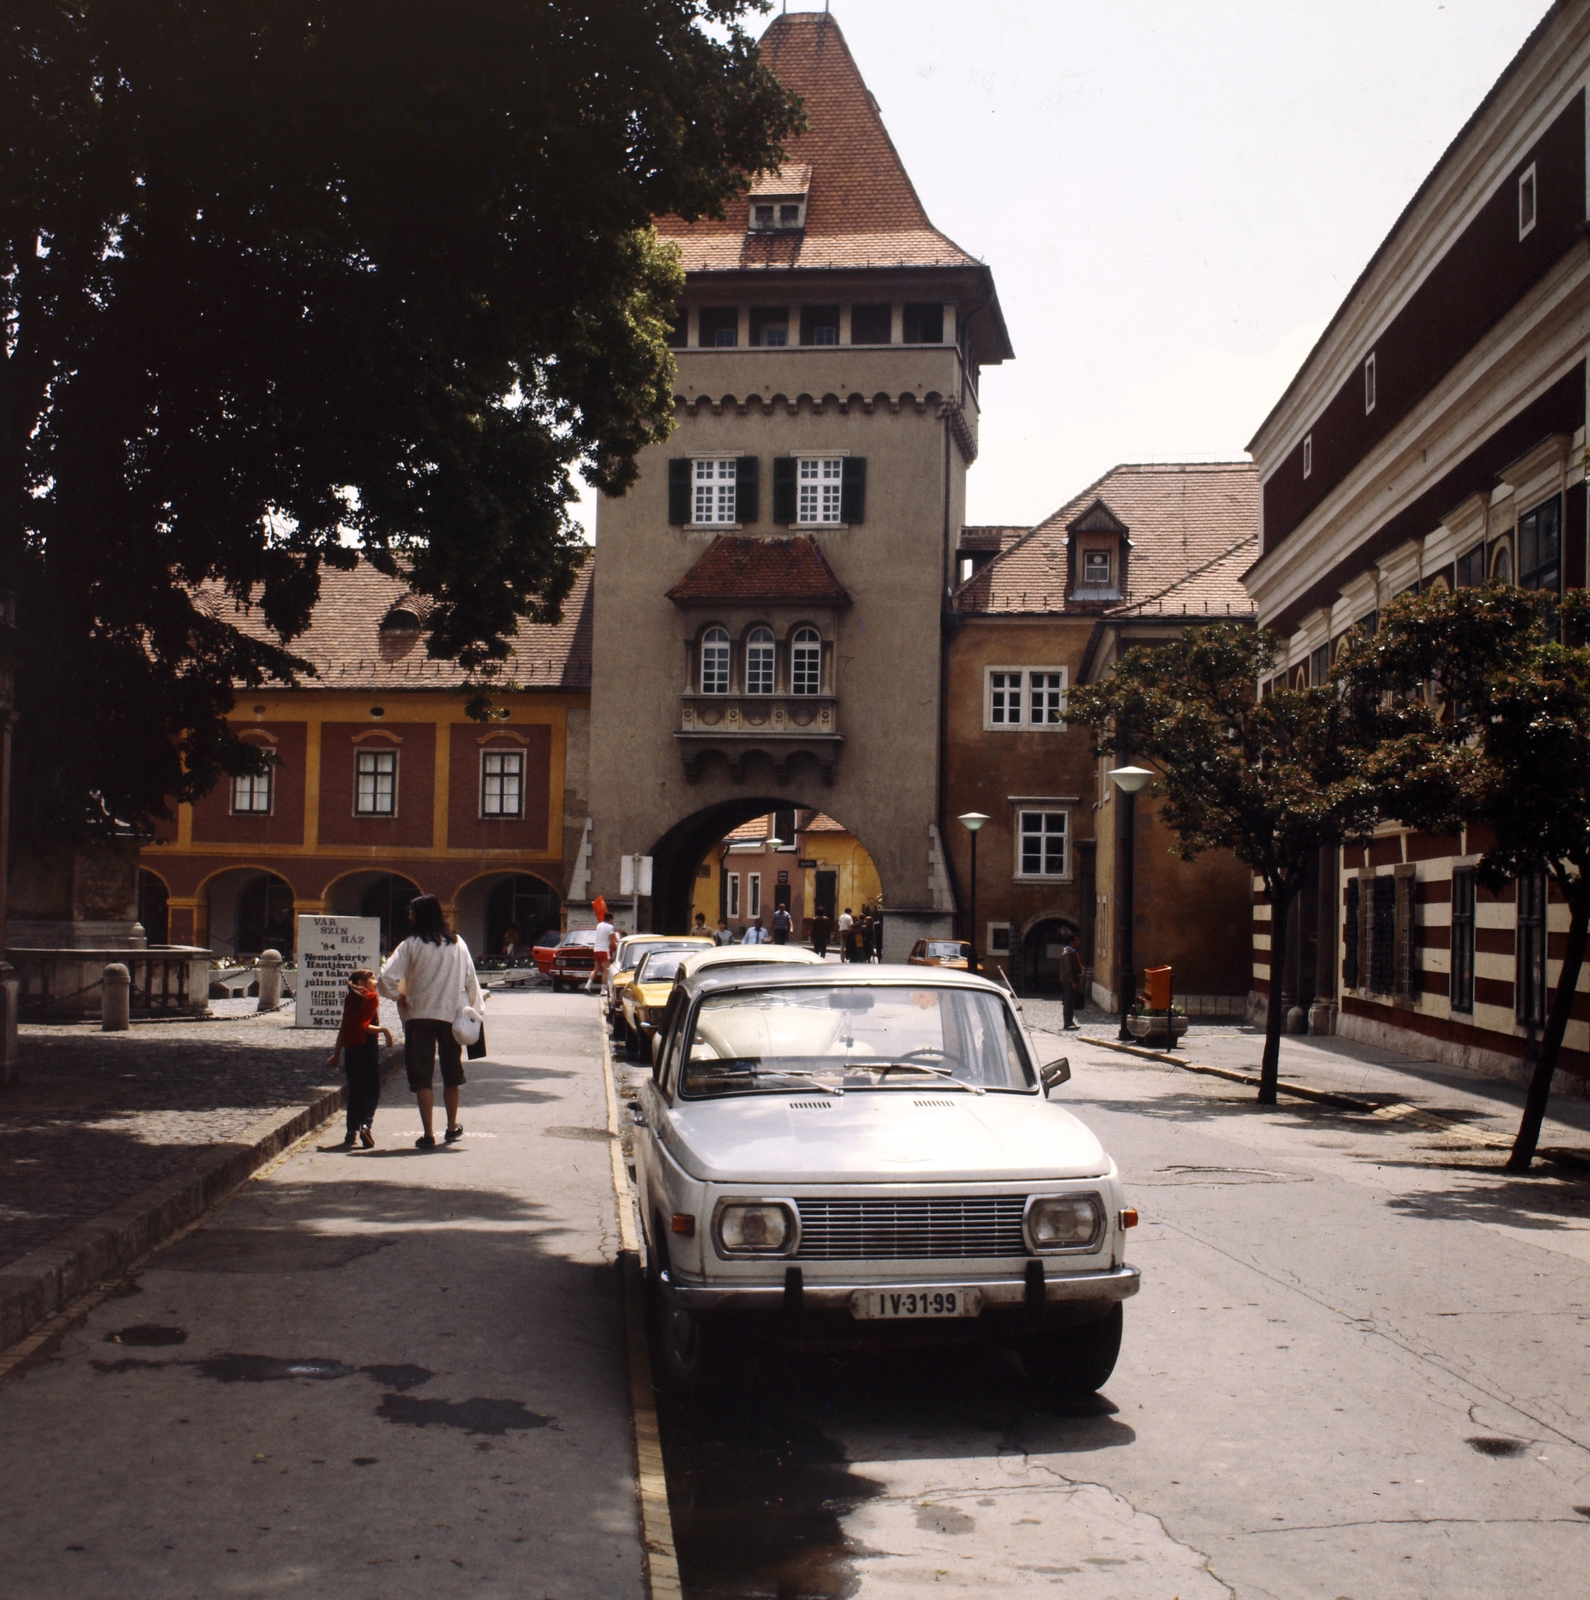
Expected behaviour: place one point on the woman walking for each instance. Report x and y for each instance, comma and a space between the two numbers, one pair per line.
432, 978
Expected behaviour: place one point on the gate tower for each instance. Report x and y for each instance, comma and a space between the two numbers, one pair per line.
769, 594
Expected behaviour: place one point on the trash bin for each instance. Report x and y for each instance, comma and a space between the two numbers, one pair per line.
1156, 986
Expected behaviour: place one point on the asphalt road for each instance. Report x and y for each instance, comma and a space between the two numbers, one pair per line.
368, 1376
1359, 1369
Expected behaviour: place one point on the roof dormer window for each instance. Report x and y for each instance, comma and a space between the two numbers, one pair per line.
1096, 568
778, 200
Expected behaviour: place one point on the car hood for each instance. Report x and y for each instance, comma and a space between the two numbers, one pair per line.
889, 1136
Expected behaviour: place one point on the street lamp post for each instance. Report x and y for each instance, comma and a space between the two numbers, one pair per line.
1128, 780
972, 821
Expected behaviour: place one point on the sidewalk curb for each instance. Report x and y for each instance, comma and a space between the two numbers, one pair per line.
651, 1480
46, 1281
1323, 1097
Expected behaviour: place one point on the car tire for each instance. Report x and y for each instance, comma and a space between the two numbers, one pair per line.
698, 1358
634, 1045
1074, 1362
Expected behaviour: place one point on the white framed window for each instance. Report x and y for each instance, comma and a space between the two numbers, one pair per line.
806, 662
759, 661
1096, 568
252, 794
734, 894
818, 480
1369, 383
1526, 200
998, 941
1041, 844
1025, 697
753, 895
1308, 455
502, 783
715, 661
713, 480
375, 783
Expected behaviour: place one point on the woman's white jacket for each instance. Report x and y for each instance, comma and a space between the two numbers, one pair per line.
430, 980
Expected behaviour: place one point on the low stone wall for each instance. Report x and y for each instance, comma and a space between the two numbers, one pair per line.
63, 985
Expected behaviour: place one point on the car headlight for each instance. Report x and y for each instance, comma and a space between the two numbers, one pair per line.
763, 1228
1064, 1222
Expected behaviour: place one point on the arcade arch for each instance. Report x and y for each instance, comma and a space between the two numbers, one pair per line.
383, 895
486, 907
247, 910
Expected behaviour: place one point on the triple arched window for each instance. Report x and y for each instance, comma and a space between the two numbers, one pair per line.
760, 664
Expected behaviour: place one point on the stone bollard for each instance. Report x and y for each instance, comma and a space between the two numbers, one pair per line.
1320, 1017
270, 980
115, 998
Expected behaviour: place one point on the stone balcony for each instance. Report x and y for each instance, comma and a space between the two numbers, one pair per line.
781, 726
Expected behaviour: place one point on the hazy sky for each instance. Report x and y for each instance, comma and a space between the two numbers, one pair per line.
1174, 196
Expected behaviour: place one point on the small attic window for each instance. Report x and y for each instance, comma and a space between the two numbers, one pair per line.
778, 216
1096, 568
762, 216
400, 620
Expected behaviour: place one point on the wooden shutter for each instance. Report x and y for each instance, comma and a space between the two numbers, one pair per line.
1349, 938
784, 489
745, 506
853, 490
679, 489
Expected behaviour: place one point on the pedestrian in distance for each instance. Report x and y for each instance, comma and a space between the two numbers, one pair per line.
846, 923
606, 944
724, 934
361, 1056
820, 928
781, 924
431, 975
699, 931
755, 934
1070, 980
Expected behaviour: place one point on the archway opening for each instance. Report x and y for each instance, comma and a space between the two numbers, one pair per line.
382, 895
723, 863
1040, 955
264, 918
526, 904
154, 910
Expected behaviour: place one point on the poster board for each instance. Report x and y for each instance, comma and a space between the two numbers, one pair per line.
329, 948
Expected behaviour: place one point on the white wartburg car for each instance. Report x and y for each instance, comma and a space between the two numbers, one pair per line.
832, 1155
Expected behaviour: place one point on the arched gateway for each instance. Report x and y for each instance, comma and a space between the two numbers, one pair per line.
769, 594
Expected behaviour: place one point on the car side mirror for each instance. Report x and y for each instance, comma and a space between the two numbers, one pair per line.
1055, 1072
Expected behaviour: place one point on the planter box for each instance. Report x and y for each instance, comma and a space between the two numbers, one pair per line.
1154, 1030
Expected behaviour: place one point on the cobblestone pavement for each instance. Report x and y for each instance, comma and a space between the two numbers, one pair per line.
95, 1116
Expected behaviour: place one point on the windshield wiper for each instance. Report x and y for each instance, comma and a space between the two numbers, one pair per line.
934, 1072
785, 1072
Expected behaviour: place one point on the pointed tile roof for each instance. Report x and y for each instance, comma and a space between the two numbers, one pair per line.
760, 571
344, 641
1193, 529
862, 210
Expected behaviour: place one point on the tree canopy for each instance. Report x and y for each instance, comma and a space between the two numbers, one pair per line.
284, 284
1476, 704
1271, 778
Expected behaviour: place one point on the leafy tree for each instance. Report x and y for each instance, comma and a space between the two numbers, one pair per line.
289, 281
1478, 704
1271, 778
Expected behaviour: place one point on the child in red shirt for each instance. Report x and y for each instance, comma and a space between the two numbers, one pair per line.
360, 1056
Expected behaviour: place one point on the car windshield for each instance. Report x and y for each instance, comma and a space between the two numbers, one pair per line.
585, 937
845, 1037
945, 949
658, 966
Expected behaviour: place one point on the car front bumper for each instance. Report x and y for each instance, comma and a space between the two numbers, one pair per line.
1074, 1288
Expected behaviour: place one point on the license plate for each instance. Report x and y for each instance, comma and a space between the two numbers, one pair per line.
914, 1305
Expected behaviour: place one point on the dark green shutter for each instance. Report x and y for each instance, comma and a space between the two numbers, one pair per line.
679, 489
853, 490
745, 507
784, 489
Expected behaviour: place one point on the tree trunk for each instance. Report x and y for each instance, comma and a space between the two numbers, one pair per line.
1556, 1027
1274, 1016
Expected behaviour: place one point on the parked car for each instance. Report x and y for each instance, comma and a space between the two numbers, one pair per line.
574, 960
643, 1001
940, 953
543, 950
869, 1157
622, 967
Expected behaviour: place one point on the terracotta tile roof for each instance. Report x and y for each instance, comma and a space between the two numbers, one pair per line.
757, 570
862, 210
821, 822
988, 537
346, 646
1192, 530
752, 832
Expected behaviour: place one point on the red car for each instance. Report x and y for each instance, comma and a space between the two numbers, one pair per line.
543, 950
574, 960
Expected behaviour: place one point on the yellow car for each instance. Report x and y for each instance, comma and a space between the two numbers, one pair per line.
645, 997
631, 952
940, 953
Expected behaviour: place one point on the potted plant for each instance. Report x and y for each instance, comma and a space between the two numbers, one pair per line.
1156, 1027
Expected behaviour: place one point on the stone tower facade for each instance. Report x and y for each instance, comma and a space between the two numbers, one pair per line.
769, 596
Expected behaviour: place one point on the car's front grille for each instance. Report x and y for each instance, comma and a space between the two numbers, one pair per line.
908, 1229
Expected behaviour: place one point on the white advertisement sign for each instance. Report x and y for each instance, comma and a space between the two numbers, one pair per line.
634, 875
329, 948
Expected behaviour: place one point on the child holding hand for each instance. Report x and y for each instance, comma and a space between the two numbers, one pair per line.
360, 1056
